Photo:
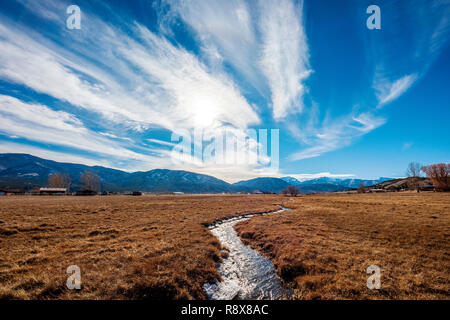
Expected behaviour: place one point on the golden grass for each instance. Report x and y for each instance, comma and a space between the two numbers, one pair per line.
157, 247
323, 246
153, 247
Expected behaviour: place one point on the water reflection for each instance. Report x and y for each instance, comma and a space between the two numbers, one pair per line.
245, 273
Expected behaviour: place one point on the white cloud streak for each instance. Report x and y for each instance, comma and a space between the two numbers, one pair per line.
227, 33
337, 134
285, 54
161, 142
39, 123
193, 95
388, 92
175, 91
264, 41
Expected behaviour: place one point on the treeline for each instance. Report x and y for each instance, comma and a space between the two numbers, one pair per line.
90, 181
291, 190
439, 174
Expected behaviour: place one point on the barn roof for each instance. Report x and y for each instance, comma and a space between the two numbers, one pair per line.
53, 189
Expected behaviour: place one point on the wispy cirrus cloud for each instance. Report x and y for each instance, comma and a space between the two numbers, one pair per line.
285, 60
175, 91
173, 88
335, 134
388, 92
264, 41
39, 123
227, 33
196, 96
161, 142
140, 80
400, 61
137, 82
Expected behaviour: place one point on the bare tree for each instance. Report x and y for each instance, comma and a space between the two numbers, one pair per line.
90, 181
55, 180
67, 181
292, 190
439, 174
60, 180
413, 170
361, 188
413, 174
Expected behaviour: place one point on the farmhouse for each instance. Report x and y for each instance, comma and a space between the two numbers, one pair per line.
86, 193
11, 192
53, 191
134, 193
428, 187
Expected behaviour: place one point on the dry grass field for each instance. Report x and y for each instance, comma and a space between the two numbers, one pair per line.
153, 247
157, 247
323, 247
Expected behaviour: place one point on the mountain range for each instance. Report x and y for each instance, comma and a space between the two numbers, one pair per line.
339, 183
24, 171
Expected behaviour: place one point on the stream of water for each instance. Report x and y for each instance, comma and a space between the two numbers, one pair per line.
245, 273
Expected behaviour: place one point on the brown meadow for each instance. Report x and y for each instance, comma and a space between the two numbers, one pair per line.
149, 247
323, 246
157, 247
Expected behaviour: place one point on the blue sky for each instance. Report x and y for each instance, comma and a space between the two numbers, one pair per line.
348, 101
